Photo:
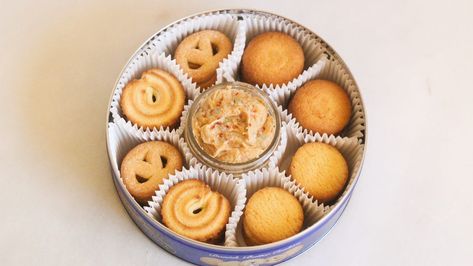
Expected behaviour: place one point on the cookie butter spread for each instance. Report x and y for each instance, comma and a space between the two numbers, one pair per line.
233, 125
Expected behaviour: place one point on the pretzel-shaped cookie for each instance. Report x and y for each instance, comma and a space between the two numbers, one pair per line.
200, 53
191, 209
156, 99
145, 166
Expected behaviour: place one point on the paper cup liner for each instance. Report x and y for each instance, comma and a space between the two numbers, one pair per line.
134, 70
278, 154
282, 95
225, 23
334, 71
272, 177
182, 119
228, 70
134, 129
286, 117
351, 149
311, 45
233, 189
121, 142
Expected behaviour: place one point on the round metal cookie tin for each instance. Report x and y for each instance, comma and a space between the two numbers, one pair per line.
208, 254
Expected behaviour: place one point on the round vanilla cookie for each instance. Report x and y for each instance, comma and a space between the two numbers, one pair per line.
271, 214
272, 58
320, 169
321, 106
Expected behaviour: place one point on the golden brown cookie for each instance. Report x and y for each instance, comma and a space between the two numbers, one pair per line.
155, 100
200, 53
190, 208
208, 83
271, 214
272, 58
320, 169
321, 106
145, 166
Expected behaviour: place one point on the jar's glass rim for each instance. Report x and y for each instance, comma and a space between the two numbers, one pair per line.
270, 104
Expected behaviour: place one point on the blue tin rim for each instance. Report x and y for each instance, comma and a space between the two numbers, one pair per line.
215, 248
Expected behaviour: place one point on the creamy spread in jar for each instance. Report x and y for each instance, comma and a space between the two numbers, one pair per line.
233, 125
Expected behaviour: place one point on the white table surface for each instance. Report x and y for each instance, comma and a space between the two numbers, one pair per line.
412, 60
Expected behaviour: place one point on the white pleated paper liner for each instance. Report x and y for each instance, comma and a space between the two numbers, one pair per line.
272, 177
311, 45
229, 66
182, 119
282, 95
134, 70
334, 71
225, 23
278, 154
121, 142
351, 149
134, 129
233, 189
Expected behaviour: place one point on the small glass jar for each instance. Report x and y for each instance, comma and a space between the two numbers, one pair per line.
233, 168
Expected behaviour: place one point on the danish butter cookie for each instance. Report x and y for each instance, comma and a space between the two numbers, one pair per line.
321, 106
145, 166
272, 58
155, 100
200, 53
271, 214
190, 208
320, 169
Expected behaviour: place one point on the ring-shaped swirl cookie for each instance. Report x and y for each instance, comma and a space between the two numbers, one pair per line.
190, 208
155, 100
